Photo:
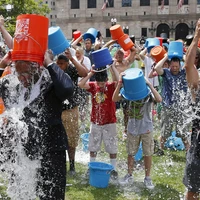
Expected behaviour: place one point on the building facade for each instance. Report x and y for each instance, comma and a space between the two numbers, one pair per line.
148, 18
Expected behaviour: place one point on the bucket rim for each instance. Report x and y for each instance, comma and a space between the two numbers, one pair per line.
108, 168
131, 97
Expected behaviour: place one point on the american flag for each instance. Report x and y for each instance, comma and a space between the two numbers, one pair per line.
104, 5
180, 3
162, 4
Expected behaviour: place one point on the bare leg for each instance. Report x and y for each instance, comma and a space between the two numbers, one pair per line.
130, 164
192, 196
147, 164
71, 154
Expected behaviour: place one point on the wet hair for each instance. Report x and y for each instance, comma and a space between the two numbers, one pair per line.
101, 76
63, 57
88, 39
175, 59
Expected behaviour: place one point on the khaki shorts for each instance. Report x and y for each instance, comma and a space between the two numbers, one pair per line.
133, 143
70, 121
106, 133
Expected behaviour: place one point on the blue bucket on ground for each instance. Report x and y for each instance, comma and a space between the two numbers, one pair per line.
101, 58
175, 50
85, 141
56, 40
91, 34
135, 87
99, 174
152, 42
174, 143
138, 155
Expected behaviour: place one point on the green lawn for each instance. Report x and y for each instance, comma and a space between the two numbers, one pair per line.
167, 174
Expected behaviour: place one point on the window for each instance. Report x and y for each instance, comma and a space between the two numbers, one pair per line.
185, 2
198, 2
126, 29
144, 2
166, 2
144, 32
110, 3
75, 4
92, 3
126, 3
108, 32
73, 30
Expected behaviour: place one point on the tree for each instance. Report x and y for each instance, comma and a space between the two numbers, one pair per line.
18, 7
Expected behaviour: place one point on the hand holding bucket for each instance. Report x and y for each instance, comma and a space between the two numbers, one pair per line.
158, 53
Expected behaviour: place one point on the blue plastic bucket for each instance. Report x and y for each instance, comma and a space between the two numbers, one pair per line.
101, 58
85, 141
135, 87
99, 174
175, 50
138, 155
91, 34
152, 42
56, 40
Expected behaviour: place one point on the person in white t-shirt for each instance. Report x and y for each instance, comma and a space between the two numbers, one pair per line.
84, 104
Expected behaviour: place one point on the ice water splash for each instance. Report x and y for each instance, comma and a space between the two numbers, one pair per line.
18, 170
16, 166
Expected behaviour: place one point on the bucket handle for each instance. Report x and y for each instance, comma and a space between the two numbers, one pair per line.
28, 35
107, 67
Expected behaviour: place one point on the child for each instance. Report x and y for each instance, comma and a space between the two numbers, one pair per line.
103, 115
139, 129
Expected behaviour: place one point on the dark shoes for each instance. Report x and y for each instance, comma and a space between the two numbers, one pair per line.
72, 172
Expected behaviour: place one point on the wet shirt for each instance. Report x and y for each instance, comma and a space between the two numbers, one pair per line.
140, 117
103, 108
36, 119
73, 101
174, 88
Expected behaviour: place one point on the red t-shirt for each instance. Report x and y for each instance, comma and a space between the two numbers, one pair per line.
103, 108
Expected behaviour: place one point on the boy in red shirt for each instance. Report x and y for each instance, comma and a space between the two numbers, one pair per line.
103, 115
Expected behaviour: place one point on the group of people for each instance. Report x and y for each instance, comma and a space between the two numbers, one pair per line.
52, 96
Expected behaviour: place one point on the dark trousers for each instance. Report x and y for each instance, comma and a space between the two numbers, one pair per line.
52, 176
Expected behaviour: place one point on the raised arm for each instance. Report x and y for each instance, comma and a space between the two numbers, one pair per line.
116, 95
7, 37
131, 56
75, 42
143, 53
83, 83
159, 66
191, 71
82, 71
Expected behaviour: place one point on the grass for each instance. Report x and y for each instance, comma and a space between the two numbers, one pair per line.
167, 173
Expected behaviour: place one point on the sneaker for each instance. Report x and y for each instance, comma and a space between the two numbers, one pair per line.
148, 183
128, 179
114, 175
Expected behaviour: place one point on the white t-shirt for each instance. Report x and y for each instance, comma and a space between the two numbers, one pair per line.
148, 62
86, 63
